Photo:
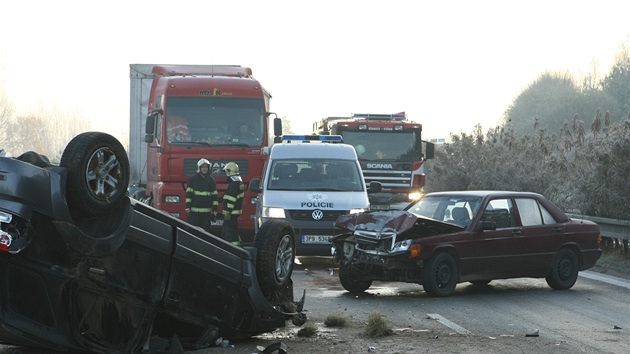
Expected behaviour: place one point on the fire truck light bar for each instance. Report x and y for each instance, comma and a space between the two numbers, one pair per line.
309, 138
368, 116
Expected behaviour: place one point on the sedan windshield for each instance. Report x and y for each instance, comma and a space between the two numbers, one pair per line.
447, 208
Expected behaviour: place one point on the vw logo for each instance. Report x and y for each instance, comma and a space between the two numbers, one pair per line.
317, 214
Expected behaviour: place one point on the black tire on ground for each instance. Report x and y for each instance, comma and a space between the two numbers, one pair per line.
98, 173
564, 270
352, 281
276, 254
440, 275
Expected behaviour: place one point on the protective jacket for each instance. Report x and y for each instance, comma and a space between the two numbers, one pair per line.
233, 197
201, 194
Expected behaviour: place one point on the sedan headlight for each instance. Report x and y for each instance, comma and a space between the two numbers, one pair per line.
401, 246
277, 213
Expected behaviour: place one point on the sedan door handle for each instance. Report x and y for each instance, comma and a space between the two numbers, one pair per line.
517, 232
557, 229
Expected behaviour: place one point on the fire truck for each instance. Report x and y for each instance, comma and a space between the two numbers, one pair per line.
182, 113
390, 151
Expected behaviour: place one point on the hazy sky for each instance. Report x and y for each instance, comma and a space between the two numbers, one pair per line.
448, 64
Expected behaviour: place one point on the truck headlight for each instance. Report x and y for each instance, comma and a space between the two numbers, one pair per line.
277, 213
171, 199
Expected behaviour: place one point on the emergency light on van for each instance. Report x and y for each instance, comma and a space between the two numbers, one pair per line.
312, 138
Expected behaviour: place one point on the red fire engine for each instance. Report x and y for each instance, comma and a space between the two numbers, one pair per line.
389, 147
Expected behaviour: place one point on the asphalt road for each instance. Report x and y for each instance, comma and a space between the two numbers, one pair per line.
592, 317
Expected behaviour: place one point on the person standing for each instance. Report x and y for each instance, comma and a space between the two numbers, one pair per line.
202, 199
232, 204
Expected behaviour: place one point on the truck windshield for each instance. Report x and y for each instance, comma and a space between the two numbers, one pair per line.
384, 145
215, 121
314, 175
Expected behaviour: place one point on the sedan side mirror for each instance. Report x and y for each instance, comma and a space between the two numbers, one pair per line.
486, 226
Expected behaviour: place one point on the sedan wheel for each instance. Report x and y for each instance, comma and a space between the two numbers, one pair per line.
564, 271
440, 275
352, 281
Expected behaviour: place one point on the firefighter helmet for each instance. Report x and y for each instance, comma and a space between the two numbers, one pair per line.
231, 169
202, 162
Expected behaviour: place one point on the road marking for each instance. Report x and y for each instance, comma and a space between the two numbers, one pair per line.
624, 283
449, 324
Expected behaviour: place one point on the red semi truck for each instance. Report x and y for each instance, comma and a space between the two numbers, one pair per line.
182, 113
390, 150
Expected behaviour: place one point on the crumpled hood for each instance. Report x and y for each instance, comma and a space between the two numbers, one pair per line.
397, 221
378, 221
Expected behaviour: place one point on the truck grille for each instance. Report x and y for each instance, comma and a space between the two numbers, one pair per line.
390, 179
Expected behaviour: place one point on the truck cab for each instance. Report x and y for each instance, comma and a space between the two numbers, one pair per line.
309, 181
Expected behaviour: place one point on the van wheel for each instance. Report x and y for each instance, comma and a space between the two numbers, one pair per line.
276, 254
98, 173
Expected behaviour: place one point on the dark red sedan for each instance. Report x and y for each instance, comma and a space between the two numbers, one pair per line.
448, 238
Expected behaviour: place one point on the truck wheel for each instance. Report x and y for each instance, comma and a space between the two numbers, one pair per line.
351, 281
564, 271
98, 173
440, 275
276, 253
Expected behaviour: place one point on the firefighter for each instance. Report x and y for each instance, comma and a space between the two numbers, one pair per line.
232, 204
202, 199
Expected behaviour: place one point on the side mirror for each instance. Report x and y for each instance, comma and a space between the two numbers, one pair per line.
254, 185
149, 128
486, 226
375, 187
277, 127
429, 151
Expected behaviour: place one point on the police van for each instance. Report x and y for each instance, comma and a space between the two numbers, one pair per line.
310, 180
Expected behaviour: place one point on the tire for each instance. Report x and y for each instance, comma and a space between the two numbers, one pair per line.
440, 275
564, 271
351, 281
276, 254
98, 173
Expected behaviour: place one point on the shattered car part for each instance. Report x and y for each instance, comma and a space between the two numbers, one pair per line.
84, 267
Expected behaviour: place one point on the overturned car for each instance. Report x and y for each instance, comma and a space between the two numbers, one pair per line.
447, 238
84, 267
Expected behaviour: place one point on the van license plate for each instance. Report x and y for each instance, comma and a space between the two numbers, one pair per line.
316, 239
216, 223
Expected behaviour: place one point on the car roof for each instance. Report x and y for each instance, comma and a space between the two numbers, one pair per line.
484, 193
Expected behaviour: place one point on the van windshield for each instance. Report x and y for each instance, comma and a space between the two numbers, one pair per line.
315, 175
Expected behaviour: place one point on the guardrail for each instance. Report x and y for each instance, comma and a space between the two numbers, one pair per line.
613, 228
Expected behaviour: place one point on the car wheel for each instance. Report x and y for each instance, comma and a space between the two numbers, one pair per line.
440, 275
564, 271
98, 173
276, 253
351, 281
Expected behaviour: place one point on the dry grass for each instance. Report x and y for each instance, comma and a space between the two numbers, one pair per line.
336, 320
377, 326
307, 331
